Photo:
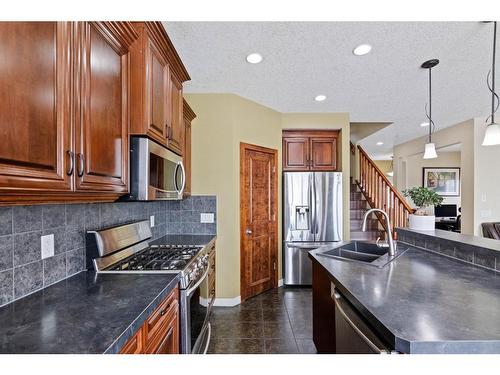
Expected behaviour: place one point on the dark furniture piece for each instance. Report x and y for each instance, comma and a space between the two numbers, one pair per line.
491, 230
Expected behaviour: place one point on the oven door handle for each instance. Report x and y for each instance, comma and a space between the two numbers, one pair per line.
193, 288
209, 334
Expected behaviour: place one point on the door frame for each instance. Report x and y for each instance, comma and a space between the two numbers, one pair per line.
243, 168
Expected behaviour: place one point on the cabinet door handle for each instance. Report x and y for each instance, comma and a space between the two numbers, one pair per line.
71, 155
168, 131
81, 162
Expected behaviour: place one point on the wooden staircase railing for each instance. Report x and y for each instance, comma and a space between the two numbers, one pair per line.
380, 193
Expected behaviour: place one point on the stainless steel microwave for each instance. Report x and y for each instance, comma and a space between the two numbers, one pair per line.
155, 172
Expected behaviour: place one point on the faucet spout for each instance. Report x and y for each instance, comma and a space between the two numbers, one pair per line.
390, 240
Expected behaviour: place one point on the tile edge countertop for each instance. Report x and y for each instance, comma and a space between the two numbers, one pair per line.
87, 313
423, 302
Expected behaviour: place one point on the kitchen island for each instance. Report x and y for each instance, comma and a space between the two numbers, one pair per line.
430, 299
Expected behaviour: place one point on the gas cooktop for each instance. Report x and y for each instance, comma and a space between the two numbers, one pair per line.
158, 257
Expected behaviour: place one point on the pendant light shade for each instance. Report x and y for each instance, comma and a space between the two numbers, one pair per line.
430, 147
430, 151
492, 135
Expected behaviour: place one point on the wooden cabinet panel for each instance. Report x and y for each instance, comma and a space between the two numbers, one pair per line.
323, 311
102, 126
176, 129
35, 99
296, 154
134, 345
158, 94
166, 340
188, 117
309, 150
156, 87
160, 333
158, 318
323, 154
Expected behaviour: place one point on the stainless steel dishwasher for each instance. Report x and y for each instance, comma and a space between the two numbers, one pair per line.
352, 334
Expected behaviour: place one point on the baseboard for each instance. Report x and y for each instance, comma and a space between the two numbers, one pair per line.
280, 283
223, 302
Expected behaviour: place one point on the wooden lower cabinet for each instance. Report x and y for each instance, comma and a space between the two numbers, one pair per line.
323, 311
160, 333
134, 345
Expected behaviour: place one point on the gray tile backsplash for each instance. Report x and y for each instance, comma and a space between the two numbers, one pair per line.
22, 271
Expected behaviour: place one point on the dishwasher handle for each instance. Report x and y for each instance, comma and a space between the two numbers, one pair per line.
340, 304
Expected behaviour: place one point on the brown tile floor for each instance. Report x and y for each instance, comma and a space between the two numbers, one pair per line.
276, 322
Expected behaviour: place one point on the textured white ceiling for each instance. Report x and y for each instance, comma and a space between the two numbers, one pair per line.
303, 59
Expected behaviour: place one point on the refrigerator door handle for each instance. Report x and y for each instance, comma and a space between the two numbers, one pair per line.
313, 206
312, 211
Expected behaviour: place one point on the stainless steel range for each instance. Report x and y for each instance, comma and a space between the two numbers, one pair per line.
126, 248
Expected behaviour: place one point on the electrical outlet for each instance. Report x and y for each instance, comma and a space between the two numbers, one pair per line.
152, 221
207, 218
47, 243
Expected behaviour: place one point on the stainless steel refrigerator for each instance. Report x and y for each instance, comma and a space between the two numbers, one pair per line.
312, 216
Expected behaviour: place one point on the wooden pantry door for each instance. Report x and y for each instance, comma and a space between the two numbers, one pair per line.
258, 219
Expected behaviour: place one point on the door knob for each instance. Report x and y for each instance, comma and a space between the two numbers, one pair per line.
248, 231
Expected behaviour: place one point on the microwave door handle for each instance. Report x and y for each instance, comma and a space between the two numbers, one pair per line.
183, 178
176, 186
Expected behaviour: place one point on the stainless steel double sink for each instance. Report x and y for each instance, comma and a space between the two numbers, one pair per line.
363, 252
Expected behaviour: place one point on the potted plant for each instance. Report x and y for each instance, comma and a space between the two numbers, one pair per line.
422, 198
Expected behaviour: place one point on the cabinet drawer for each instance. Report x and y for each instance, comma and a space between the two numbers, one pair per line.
160, 316
167, 330
134, 345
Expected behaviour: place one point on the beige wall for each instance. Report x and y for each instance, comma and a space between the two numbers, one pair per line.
223, 121
409, 152
339, 121
486, 179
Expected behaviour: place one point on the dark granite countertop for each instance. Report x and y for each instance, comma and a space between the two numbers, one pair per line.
423, 302
86, 313
185, 239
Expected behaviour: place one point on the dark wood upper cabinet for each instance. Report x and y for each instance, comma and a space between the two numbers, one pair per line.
309, 150
323, 155
71, 95
188, 117
102, 121
176, 129
159, 96
35, 99
157, 74
295, 153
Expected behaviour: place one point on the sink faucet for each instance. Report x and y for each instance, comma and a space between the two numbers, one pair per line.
392, 245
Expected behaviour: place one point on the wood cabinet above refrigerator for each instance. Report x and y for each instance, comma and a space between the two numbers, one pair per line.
310, 150
157, 74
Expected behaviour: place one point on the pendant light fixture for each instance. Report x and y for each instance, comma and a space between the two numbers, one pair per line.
492, 135
430, 147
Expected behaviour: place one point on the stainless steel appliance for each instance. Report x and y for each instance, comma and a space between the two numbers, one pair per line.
155, 172
126, 248
312, 215
352, 334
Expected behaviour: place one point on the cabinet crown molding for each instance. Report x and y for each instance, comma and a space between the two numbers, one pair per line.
188, 111
157, 32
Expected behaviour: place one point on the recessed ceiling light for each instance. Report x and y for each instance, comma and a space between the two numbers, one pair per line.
320, 98
424, 124
254, 58
379, 143
362, 49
